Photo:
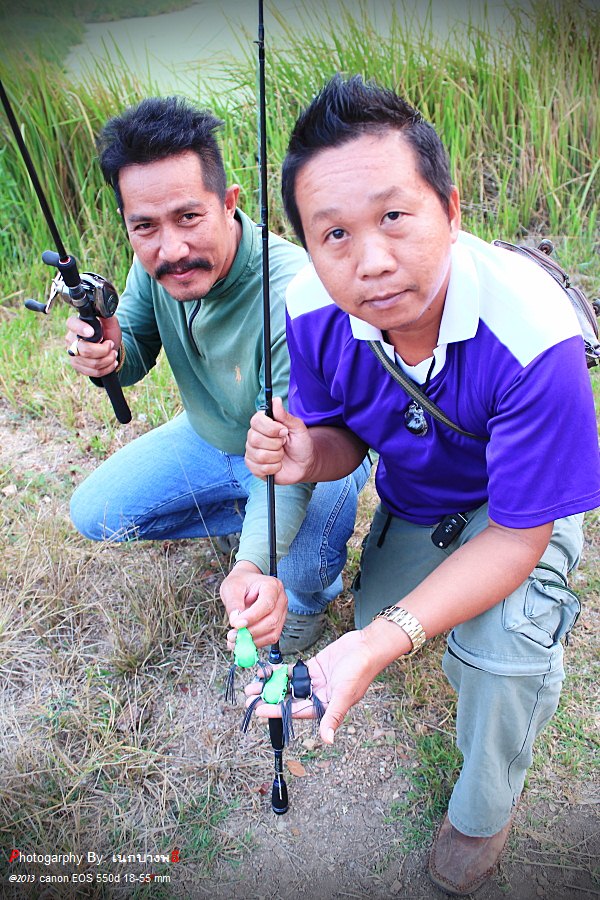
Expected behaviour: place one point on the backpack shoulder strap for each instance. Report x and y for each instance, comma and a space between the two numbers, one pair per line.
413, 390
585, 310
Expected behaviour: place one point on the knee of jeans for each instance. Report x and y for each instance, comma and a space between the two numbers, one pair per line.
91, 520
311, 579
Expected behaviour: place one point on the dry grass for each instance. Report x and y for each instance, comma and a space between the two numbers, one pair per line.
114, 735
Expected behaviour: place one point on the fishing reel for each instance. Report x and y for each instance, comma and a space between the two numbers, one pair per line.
100, 293
93, 295
94, 298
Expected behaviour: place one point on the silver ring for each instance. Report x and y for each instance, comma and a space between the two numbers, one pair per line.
74, 349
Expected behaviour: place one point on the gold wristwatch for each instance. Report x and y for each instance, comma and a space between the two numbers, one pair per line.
407, 622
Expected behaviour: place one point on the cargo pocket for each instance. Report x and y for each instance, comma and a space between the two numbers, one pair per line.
548, 611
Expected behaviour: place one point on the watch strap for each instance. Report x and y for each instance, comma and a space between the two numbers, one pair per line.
407, 622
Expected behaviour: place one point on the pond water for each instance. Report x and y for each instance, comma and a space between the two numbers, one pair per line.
179, 50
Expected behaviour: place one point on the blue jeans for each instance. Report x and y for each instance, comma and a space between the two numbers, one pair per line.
170, 484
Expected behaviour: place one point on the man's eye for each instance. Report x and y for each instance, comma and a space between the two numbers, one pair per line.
394, 215
337, 234
189, 217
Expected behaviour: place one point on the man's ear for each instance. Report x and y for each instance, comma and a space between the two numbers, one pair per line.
231, 199
122, 217
454, 212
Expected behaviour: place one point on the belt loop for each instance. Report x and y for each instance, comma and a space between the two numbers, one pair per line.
384, 530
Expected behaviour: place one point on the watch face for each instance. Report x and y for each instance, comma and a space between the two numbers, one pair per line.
392, 610
386, 610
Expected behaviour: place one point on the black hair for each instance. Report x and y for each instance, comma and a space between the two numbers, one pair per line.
156, 128
345, 109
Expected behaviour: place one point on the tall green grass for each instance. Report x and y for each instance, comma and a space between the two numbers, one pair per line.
520, 117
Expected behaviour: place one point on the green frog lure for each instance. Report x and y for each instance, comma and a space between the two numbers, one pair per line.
245, 656
278, 688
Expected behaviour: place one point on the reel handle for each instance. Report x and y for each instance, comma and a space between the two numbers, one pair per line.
36, 306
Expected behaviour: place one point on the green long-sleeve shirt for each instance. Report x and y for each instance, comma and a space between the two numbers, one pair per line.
215, 348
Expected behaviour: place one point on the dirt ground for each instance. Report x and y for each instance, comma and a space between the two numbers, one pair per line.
338, 839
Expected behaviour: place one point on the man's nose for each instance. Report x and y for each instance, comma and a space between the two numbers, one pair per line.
375, 256
173, 244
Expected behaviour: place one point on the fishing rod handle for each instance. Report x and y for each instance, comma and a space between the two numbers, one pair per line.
109, 382
113, 388
279, 793
67, 266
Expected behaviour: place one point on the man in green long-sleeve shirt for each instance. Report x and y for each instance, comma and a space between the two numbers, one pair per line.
195, 291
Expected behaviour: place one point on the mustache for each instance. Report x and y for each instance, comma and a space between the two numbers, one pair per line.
168, 268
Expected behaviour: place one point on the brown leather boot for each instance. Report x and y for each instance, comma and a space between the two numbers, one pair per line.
460, 864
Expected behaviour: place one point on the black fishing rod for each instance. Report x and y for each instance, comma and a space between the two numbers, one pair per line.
279, 795
90, 294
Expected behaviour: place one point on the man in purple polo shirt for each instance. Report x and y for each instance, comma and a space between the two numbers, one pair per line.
475, 534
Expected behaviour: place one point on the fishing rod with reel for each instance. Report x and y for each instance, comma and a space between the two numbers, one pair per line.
90, 294
274, 674
280, 686
279, 794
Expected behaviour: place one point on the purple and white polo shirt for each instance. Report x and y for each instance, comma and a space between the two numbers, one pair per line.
509, 367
